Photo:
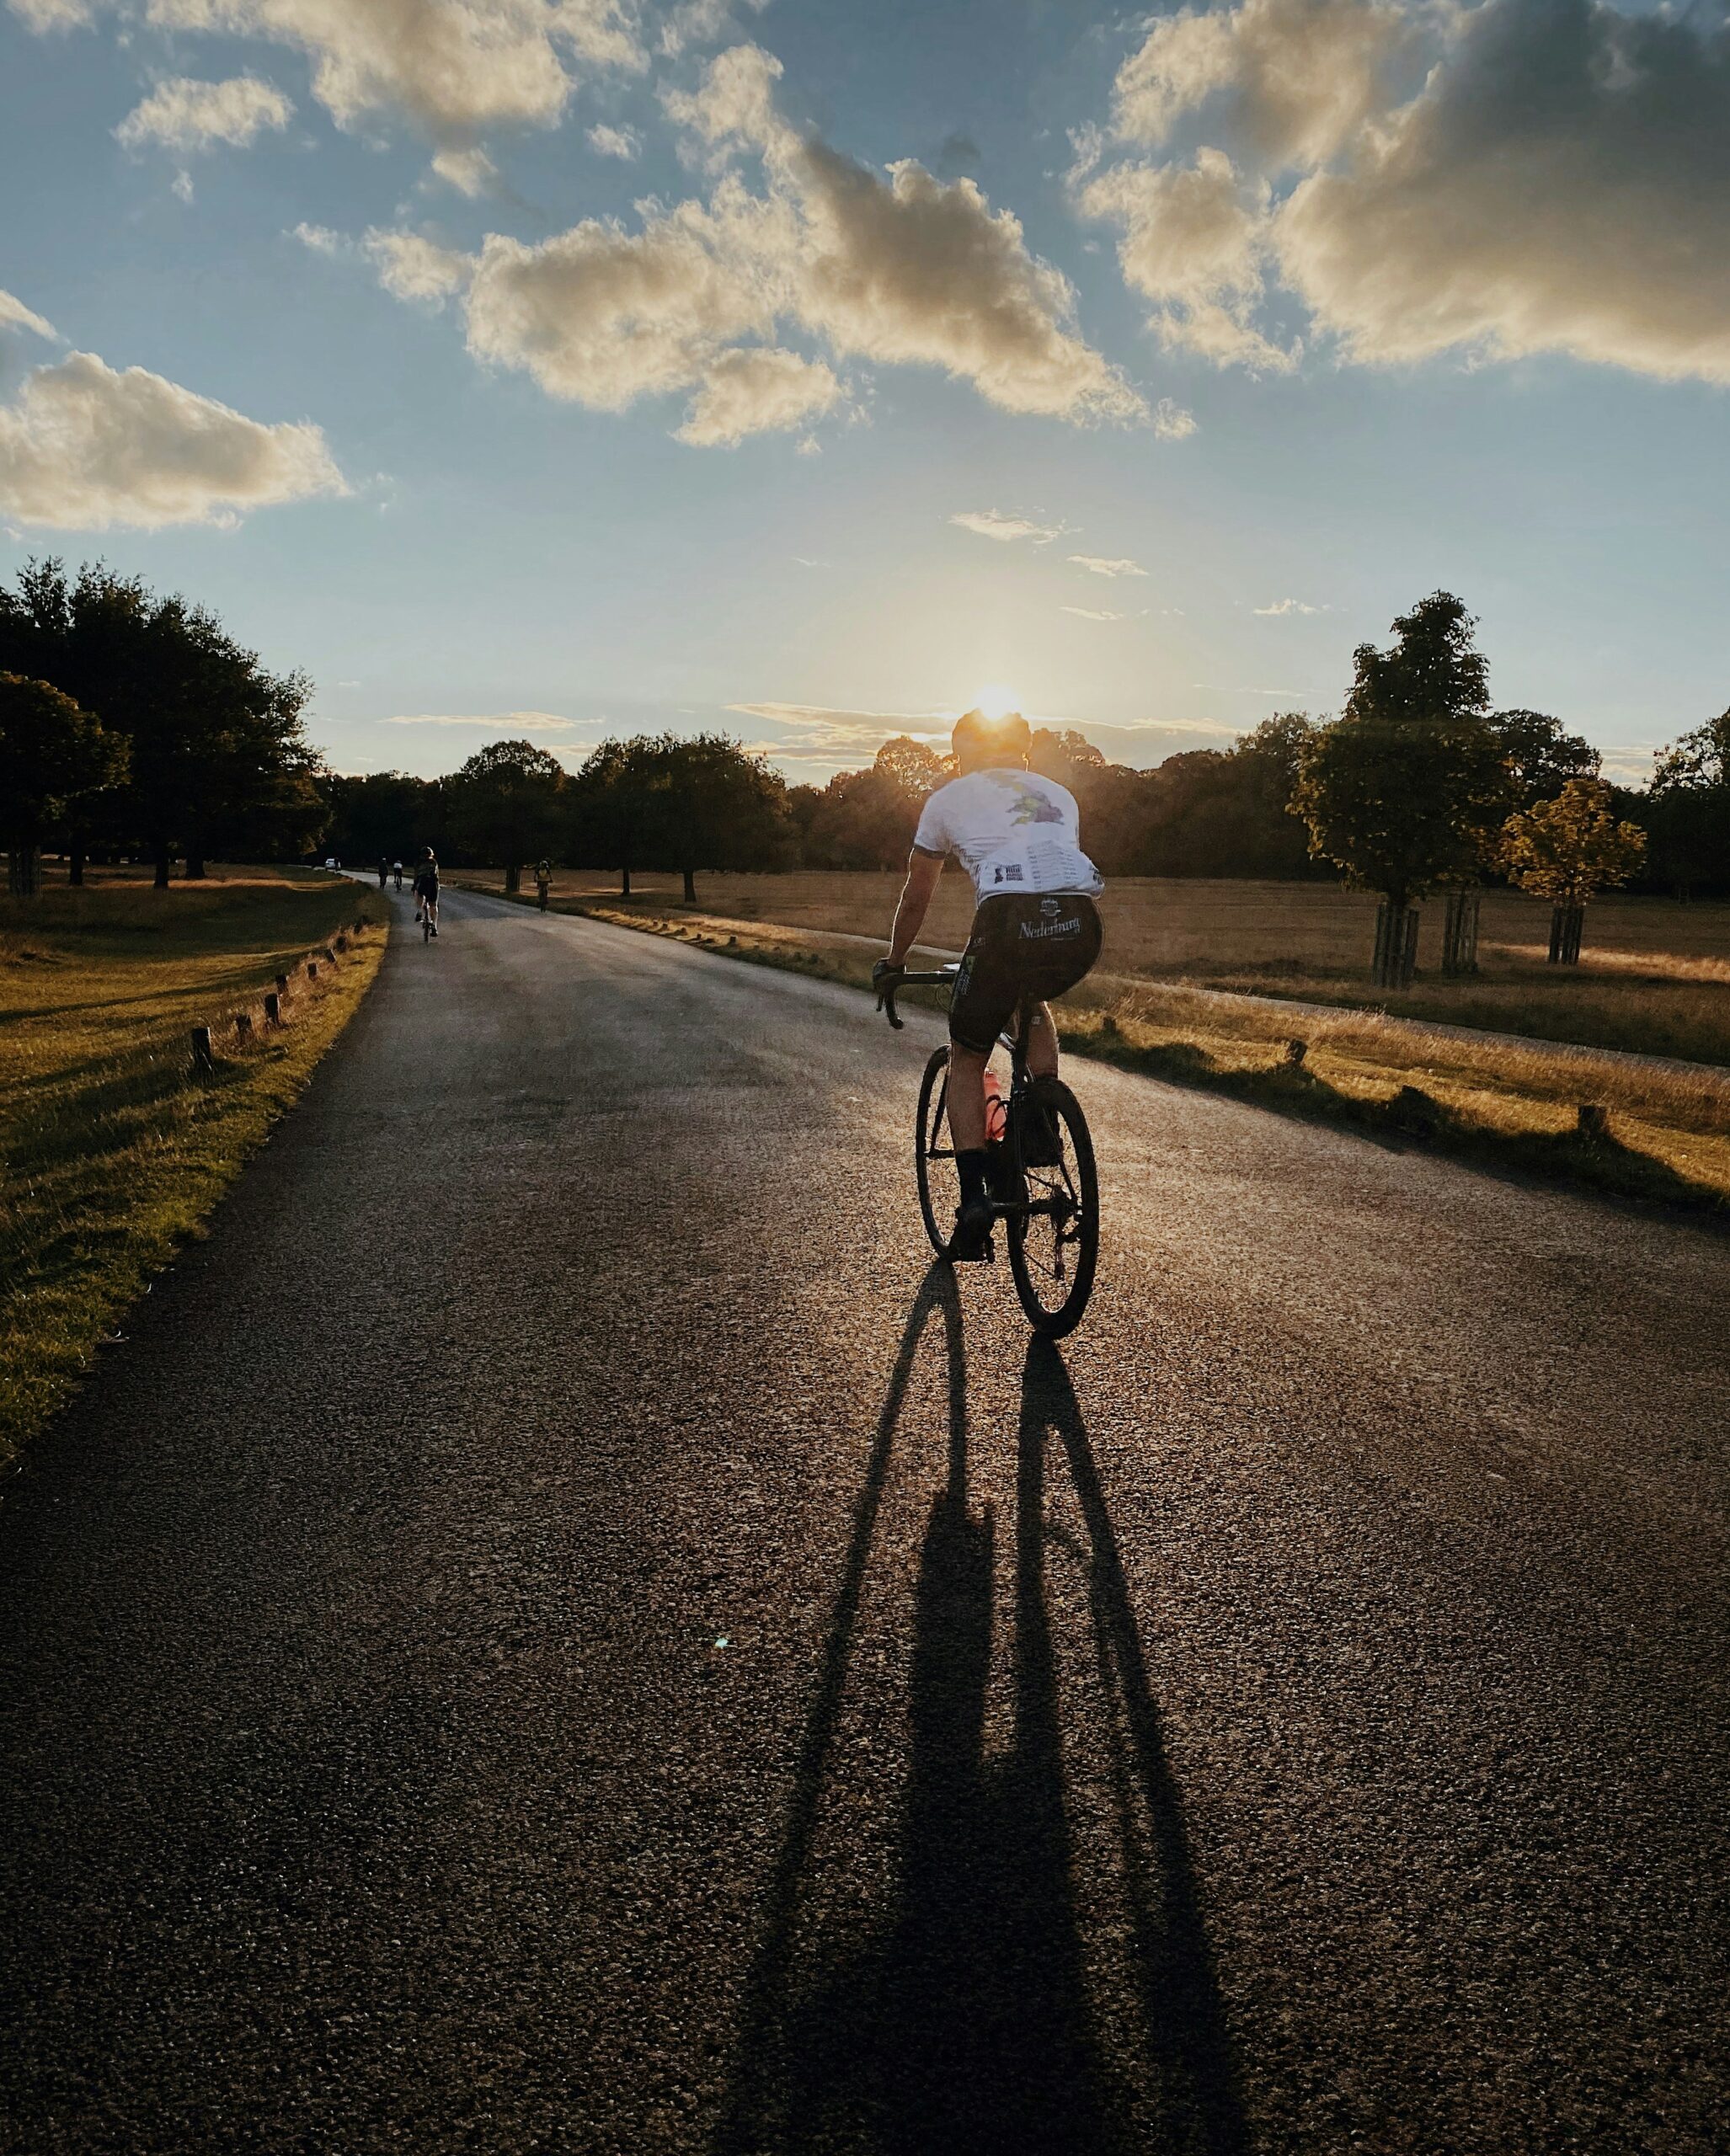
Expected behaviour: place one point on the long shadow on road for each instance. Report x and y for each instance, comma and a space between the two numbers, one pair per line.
965, 2020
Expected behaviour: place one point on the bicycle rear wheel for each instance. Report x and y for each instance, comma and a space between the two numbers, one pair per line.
934, 1154
1053, 1246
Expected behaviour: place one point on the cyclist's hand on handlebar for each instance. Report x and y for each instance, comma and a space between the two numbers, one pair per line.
886, 976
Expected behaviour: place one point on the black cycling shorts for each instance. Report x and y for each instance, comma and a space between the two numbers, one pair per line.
1025, 946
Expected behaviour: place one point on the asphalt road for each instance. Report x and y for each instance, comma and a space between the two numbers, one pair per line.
555, 1631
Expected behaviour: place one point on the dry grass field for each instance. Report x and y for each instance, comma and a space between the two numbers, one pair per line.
1654, 977
112, 1148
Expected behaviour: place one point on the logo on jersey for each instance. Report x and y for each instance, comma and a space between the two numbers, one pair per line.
1031, 806
1007, 871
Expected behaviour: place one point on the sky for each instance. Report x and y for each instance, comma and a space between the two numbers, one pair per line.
562, 368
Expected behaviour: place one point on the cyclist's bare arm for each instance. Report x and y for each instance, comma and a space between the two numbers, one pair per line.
923, 870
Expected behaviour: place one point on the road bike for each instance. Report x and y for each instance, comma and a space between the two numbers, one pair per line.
428, 916
1041, 1175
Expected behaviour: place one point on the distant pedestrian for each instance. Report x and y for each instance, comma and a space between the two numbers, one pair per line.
543, 881
384, 872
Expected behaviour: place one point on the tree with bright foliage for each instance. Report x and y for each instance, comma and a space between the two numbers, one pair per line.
1568, 850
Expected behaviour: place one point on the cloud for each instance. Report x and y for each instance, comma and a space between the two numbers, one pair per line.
1104, 565
1504, 179
1096, 613
1194, 239
471, 171
1290, 606
851, 729
758, 389
623, 142
992, 524
44, 15
411, 268
15, 315
502, 722
183, 114
838, 739
603, 316
1301, 75
900, 269
83, 447
1611, 134
921, 271
1171, 422
452, 67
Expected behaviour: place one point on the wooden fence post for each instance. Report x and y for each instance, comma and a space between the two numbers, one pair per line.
273, 1008
202, 1059
243, 1023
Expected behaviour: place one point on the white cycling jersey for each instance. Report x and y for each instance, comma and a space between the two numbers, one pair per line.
1014, 831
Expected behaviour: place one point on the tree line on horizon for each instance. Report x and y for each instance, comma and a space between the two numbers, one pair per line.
135, 726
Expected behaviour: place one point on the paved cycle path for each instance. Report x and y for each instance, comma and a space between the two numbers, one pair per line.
556, 1631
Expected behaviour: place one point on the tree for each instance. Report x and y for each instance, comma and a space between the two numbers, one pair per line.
1688, 809
1566, 850
912, 765
503, 804
1541, 758
1406, 790
53, 754
215, 742
385, 815
609, 808
712, 804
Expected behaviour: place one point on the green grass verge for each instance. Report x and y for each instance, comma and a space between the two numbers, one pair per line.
113, 1149
1663, 1137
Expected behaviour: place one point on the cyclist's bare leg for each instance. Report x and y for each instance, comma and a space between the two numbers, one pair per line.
967, 1098
1042, 1042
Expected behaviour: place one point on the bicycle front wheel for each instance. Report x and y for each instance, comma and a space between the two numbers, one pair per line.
934, 1154
1053, 1246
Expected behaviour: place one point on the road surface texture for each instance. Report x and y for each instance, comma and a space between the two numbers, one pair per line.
557, 1630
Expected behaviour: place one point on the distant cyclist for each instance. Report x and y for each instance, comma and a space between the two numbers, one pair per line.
543, 881
426, 890
1035, 925
397, 870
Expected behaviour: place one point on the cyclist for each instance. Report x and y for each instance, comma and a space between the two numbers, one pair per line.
543, 881
397, 870
426, 890
1035, 925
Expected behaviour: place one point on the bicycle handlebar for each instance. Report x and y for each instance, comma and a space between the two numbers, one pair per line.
944, 978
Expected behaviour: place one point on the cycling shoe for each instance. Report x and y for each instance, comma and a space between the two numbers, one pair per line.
972, 1239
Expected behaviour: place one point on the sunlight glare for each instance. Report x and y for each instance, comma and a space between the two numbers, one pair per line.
996, 701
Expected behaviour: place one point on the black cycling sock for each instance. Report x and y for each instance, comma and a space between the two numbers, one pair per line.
972, 1164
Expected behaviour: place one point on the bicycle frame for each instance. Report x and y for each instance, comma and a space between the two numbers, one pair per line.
1020, 1078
